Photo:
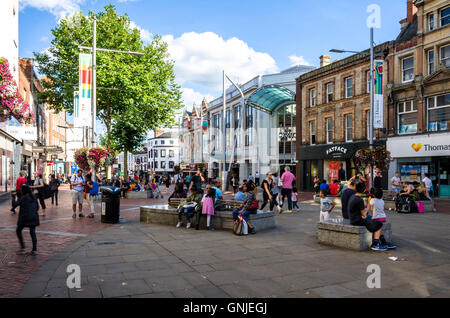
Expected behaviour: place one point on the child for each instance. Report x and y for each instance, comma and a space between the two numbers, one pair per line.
294, 199
208, 205
376, 209
326, 206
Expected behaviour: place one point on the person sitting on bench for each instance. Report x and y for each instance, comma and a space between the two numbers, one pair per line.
189, 205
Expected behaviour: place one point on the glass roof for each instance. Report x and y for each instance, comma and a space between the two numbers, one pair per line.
269, 98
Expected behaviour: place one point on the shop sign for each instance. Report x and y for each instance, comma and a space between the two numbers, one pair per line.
50, 163
419, 146
336, 151
286, 134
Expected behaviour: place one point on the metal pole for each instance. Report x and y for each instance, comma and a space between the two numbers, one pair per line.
224, 133
371, 105
94, 87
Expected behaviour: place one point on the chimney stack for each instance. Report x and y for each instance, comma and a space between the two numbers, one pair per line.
411, 11
324, 60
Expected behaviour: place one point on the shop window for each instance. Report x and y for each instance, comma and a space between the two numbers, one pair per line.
445, 56
348, 87
438, 112
407, 117
430, 57
408, 69
329, 130
348, 128
445, 16
330, 92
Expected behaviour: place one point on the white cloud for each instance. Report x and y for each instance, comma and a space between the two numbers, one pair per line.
191, 96
201, 57
59, 8
146, 36
298, 60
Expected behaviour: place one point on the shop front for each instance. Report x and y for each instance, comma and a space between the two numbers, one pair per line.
329, 161
414, 156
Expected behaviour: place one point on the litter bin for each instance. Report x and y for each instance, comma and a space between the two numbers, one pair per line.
110, 205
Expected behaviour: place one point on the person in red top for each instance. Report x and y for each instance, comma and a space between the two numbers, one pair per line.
21, 180
334, 187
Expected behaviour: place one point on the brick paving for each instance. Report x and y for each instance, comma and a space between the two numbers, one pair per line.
134, 260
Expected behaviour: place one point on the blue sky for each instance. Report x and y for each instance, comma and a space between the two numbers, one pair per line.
245, 37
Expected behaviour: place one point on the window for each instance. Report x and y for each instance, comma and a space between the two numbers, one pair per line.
163, 142
431, 21
408, 69
156, 153
312, 97
445, 56
438, 112
171, 153
445, 16
348, 87
171, 142
329, 129
156, 164
227, 119
171, 164
430, 62
156, 142
368, 81
348, 128
151, 164
163, 165
330, 91
312, 133
407, 117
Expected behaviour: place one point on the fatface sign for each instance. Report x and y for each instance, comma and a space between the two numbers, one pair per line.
419, 146
336, 151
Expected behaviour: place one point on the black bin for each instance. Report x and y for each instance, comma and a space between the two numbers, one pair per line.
110, 205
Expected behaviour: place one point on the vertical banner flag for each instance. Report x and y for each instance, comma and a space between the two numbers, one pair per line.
378, 95
77, 121
204, 111
85, 89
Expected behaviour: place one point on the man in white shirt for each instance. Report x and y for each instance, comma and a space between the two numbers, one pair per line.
77, 182
428, 183
395, 182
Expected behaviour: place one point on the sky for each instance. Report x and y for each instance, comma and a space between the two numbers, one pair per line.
245, 38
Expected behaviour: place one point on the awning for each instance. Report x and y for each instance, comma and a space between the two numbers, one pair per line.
271, 97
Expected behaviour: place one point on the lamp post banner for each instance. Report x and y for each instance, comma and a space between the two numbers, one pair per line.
378, 95
85, 90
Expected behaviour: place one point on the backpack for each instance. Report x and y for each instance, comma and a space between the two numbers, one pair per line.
95, 187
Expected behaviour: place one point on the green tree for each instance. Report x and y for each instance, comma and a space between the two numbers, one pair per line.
139, 87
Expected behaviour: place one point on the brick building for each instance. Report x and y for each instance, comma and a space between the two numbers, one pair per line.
418, 92
333, 105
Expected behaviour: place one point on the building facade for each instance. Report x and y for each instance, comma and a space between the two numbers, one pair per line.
418, 92
259, 128
9, 45
163, 153
333, 104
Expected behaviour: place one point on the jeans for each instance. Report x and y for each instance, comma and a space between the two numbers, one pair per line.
288, 193
294, 205
32, 234
244, 214
188, 212
55, 196
41, 200
90, 200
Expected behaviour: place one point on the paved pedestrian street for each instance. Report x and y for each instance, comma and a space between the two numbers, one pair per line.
134, 260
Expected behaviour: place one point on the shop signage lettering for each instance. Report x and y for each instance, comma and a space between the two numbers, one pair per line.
334, 149
434, 145
437, 148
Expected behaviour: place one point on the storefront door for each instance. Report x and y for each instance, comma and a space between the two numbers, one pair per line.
444, 178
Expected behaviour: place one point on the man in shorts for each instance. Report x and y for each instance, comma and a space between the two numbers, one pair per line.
358, 216
77, 182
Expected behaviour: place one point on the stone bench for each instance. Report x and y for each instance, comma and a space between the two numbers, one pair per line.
139, 194
222, 220
340, 233
336, 199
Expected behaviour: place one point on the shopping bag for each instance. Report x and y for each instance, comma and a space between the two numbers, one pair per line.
244, 227
420, 207
237, 227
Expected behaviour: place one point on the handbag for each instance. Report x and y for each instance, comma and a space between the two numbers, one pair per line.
237, 227
254, 205
46, 191
420, 207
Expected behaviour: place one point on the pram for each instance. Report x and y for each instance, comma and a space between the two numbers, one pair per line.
156, 192
405, 204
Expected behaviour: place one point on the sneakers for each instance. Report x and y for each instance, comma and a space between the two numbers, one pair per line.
391, 246
33, 253
188, 226
178, 224
378, 247
252, 230
288, 211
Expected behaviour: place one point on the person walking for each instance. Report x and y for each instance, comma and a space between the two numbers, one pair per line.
276, 192
28, 217
287, 178
167, 184
39, 185
76, 183
90, 193
257, 176
54, 185
21, 180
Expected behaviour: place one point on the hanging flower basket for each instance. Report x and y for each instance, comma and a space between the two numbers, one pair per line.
11, 103
378, 157
94, 158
